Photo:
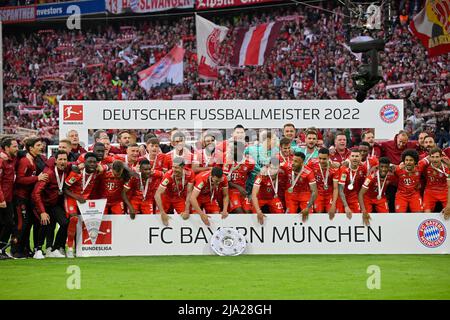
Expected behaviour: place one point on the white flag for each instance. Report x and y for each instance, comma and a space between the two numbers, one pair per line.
92, 213
209, 36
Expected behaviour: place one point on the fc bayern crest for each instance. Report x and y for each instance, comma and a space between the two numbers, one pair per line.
431, 233
389, 113
212, 44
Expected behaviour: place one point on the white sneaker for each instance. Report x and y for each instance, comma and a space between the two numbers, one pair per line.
48, 252
55, 254
62, 251
38, 255
70, 253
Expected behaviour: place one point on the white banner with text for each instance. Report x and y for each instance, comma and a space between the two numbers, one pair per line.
385, 116
408, 233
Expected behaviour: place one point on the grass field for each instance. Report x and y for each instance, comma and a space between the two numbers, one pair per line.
243, 277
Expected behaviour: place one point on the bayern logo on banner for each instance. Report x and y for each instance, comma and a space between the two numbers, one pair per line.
389, 113
432, 233
92, 214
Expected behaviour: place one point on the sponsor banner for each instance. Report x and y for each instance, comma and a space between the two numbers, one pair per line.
409, 233
145, 6
18, 14
216, 4
92, 213
65, 9
385, 116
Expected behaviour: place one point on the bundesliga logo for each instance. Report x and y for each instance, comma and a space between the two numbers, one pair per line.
431, 233
389, 113
73, 113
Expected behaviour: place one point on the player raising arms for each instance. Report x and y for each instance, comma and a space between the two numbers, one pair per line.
325, 174
175, 190
302, 188
141, 188
238, 168
208, 185
373, 192
208, 157
408, 192
266, 188
437, 181
78, 187
350, 181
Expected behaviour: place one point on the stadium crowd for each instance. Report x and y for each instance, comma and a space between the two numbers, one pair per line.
276, 175
308, 61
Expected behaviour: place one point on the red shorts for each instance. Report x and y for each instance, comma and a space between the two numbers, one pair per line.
353, 204
208, 205
71, 206
238, 201
177, 204
414, 203
431, 198
142, 207
114, 208
295, 202
323, 202
380, 206
275, 205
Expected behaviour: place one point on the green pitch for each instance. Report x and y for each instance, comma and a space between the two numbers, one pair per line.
243, 277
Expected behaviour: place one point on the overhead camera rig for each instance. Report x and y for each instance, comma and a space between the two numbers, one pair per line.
366, 21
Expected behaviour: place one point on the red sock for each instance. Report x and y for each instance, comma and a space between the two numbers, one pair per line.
71, 231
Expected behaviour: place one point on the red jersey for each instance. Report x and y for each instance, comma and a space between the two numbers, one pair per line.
268, 187
78, 149
106, 160
187, 156
446, 152
156, 164
302, 182
202, 184
345, 175
177, 187
371, 184
238, 173
340, 157
111, 187
285, 162
370, 163
436, 177
321, 176
7, 175
26, 178
200, 158
138, 187
408, 182
75, 183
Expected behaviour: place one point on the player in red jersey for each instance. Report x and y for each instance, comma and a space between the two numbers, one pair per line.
175, 190
369, 137
131, 157
339, 152
154, 154
408, 192
266, 188
238, 168
302, 188
99, 149
366, 159
208, 157
324, 174
437, 175
285, 155
141, 188
350, 182
78, 187
179, 151
112, 184
208, 185
373, 192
